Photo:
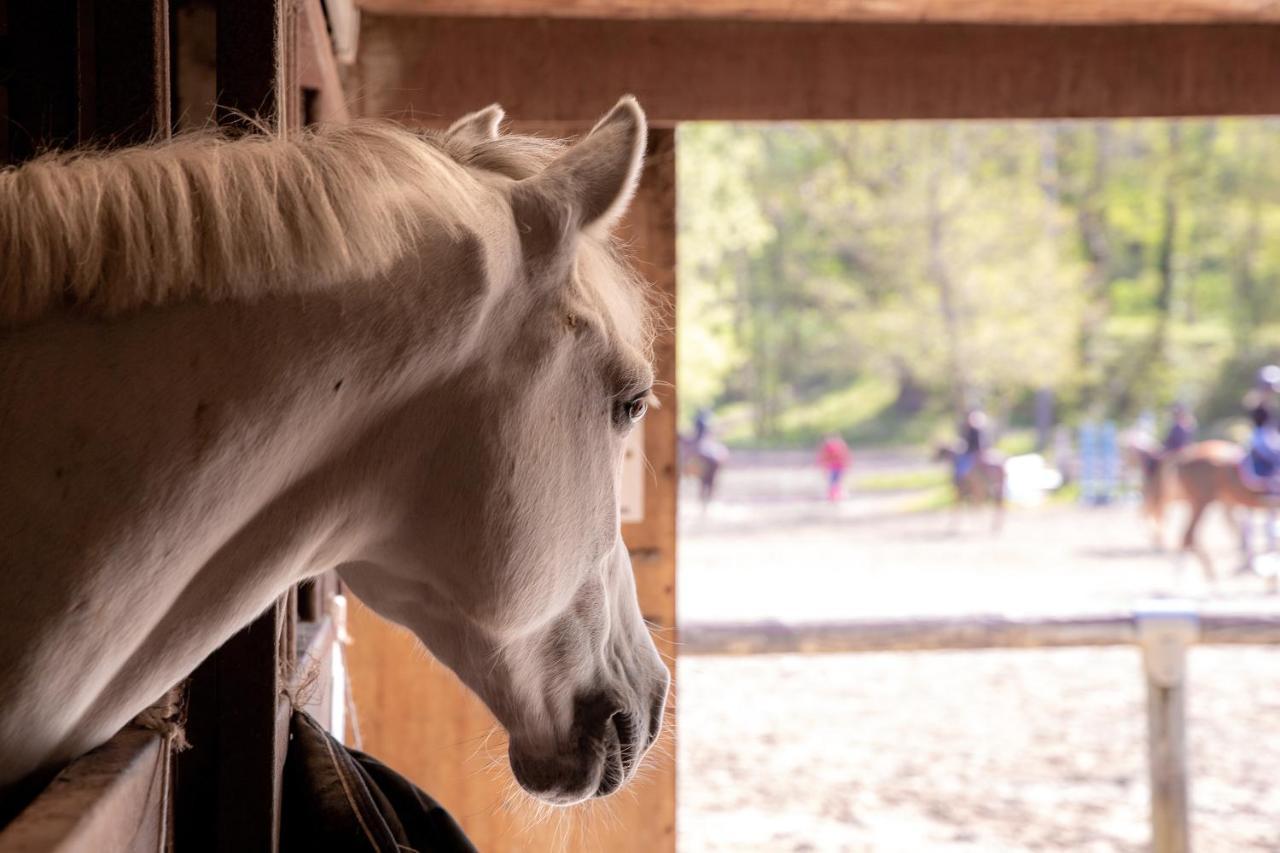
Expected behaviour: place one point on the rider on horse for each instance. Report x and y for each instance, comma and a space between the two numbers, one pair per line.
1182, 429
1263, 460
973, 442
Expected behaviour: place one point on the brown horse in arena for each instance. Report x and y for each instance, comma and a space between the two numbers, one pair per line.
983, 483
1160, 485
1210, 471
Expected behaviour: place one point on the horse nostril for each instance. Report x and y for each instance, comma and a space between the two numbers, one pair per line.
656, 708
624, 725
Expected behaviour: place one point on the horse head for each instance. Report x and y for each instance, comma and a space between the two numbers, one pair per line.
501, 546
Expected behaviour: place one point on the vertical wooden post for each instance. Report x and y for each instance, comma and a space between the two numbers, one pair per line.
1165, 631
650, 230
42, 85
124, 71
229, 783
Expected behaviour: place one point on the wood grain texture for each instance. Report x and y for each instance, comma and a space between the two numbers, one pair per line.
714, 70
124, 71
976, 11
110, 799
318, 67
414, 714
981, 631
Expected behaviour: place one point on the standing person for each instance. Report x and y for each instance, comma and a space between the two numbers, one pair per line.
834, 457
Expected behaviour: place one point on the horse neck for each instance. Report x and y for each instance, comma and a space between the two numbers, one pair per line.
181, 469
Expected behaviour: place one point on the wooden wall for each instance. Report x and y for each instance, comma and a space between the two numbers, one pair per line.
691, 70
413, 713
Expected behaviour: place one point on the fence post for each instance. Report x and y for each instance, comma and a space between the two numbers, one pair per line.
1165, 630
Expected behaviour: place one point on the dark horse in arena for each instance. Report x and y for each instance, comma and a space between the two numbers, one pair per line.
983, 482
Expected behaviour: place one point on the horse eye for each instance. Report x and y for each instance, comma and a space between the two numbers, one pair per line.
629, 412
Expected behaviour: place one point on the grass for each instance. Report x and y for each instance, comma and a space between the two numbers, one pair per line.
903, 481
862, 412
939, 497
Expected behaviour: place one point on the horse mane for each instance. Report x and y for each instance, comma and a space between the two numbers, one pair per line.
211, 217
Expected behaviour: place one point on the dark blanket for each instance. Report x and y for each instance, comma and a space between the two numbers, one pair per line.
343, 800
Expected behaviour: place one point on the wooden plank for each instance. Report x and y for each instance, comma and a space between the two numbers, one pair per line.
42, 103
908, 11
318, 68
1167, 757
124, 71
413, 712
976, 631
256, 71
228, 784
646, 821
1166, 629
110, 799
704, 70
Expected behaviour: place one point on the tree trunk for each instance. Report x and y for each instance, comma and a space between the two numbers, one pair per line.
940, 274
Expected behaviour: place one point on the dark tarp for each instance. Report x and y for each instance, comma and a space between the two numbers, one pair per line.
340, 799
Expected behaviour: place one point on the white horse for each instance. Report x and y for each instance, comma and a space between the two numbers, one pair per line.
229, 365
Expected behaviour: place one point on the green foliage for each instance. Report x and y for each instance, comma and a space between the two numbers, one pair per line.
875, 279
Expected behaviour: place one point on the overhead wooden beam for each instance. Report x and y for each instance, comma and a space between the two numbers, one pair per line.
908, 11
573, 70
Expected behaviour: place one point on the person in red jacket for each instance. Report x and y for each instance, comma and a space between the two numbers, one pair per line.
834, 458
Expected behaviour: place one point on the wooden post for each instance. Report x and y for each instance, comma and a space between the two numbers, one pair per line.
228, 785
1165, 630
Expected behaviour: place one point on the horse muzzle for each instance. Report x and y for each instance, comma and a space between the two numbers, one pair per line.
606, 743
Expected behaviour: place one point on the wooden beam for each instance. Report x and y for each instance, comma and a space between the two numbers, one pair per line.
903, 11
647, 819
324, 99
228, 790
256, 61
698, 70
976, 631
124, 71
42, 77
112, 798
228, 784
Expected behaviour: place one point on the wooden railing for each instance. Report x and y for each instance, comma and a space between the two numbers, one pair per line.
1162, 629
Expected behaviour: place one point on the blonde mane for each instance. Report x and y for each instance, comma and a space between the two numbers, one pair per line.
208, 217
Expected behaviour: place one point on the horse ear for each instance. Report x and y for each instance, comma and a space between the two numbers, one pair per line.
479, 126
593, 181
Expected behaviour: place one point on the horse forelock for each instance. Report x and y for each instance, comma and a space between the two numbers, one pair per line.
209, 217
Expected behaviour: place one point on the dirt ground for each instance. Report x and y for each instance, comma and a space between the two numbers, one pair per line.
950, 751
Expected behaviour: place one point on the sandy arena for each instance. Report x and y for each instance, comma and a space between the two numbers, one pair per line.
950, 751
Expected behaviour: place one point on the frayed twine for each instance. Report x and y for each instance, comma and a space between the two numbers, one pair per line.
168, 718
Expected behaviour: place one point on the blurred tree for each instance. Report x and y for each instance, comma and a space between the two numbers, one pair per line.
1117, 265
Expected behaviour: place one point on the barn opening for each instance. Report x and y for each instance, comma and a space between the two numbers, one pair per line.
876, 282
